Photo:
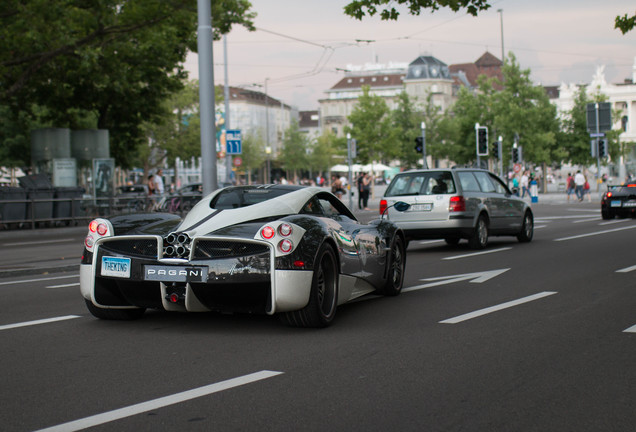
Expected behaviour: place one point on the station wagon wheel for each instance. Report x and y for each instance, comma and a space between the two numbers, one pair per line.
114, 314
323, 298
527, 228
395, 276
479, 237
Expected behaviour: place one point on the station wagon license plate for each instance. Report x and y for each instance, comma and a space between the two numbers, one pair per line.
422, 207
115, 267
165, 273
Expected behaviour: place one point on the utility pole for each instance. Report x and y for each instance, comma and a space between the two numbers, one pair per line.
226, 94
206, 97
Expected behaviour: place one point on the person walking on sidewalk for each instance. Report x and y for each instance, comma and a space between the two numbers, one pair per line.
524, 184
365, 189
579, 182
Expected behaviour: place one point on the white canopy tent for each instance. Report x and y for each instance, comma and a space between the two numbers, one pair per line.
376, 167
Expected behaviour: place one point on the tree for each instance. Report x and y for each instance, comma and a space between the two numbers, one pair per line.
253, 156
324, 151
360, 8
372, 127
575, 138
114, 61
407, 122
293, 155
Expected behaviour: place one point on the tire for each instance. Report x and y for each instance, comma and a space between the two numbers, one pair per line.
479, 237
452, 241
606, 215
114, 314
323, 298
397, 263
527, 228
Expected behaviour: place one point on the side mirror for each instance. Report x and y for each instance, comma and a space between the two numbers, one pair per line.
400, 206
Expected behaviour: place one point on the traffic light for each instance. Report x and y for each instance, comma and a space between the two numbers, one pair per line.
419, 144
495, 149
602, 148
515, 155
482, 141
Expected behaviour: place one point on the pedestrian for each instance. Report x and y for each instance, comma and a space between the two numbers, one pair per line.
151, 185
365, 189
158, 182
524, 184
336, 187
579, 184
586, 190
515, 185
359, 181
570, 185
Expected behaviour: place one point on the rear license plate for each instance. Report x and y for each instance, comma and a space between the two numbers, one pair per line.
422, 207
116, 267
616, 203
164, 273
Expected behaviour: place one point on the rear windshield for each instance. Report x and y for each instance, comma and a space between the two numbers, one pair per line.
422, 183
243, 197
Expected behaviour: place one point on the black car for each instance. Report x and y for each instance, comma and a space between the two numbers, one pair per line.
281, 250
619, 200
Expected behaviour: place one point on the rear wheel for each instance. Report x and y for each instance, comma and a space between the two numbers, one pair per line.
479, 237
114, 314
527, 229
395, 277
323, 298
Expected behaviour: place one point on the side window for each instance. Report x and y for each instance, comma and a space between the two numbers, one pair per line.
484, 182
328, 209
499, 186
468, 182
312, 207
406, 185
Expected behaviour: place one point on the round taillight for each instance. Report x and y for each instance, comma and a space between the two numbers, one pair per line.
89, 241
102, 229
609, 194
267, 232
285, 229
92, 227
285, 246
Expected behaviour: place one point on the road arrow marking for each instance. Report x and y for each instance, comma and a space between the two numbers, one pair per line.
478, 277
626, 269
477, 253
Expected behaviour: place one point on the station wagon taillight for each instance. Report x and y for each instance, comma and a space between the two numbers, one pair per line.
457, 204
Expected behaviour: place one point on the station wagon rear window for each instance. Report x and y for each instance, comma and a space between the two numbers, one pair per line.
422, 183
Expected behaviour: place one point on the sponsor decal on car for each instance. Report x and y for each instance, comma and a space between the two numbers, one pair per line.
175, 273
115, 267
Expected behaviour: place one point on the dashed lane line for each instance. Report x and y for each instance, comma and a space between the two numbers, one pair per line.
162, 402
36, 322
595, 233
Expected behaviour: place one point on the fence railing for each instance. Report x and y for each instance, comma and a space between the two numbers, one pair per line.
40, 212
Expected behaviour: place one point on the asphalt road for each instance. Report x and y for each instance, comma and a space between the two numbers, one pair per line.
519, 337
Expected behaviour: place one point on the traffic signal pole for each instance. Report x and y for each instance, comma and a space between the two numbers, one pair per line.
598, 157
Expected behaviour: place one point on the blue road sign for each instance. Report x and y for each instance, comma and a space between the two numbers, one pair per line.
233, 141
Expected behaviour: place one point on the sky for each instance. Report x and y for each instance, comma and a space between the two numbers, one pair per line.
301, 47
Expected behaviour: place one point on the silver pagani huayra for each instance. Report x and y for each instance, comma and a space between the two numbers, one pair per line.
291, 251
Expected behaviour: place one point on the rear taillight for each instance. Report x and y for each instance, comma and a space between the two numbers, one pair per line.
457, 204
97, 229
608, 194
383, 206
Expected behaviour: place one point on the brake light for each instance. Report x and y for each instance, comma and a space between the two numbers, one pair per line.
457, 204
92, 227
383, 206
608, 194
267, 232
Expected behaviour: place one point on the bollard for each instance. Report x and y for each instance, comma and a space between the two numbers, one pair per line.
534, 191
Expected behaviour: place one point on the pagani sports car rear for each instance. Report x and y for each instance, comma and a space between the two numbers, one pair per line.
619, 200
287, 250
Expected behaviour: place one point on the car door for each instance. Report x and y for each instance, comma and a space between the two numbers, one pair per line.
511, 207
495, 202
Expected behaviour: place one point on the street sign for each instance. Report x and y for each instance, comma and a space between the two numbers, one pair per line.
601, 111
597, 135
238, 161
233, 141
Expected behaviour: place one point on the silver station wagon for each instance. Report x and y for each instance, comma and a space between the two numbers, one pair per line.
458, 203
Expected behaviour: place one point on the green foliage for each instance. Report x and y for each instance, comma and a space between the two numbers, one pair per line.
625, 23
253, 156
373, 129
407, 122
113, 61
324, 151
293, 155
360, 8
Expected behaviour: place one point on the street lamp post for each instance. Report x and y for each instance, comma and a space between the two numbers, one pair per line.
502, 35
268, 152
424, 161
349, 157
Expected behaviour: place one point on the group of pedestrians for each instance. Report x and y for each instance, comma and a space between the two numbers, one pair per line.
578, 185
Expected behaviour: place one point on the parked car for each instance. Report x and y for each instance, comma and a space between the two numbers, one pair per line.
183, 199
619, 200
294, 251
458, 203
132, 198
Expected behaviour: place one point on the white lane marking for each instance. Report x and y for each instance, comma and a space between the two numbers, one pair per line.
546, 218
626, 269
39, 242
40, 279
139, 408
595, 219
476, 253
632, 329
539, 226
478, 277
36, 322
617, 221
64, 286
496, 308
595, 233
